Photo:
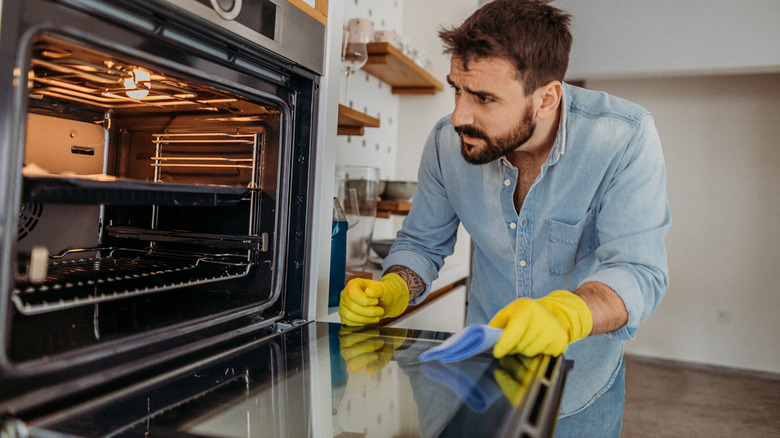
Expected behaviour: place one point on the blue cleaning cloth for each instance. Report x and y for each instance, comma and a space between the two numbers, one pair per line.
465, 379
471, 341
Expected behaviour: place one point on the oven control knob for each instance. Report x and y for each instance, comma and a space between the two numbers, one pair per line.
227, 9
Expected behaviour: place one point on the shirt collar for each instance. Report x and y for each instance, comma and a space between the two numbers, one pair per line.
559, 147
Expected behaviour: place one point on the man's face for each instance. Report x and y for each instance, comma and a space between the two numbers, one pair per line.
492, 113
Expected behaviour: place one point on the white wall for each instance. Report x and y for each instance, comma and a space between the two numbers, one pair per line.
720, 135
721, 142
422, 21
640, 37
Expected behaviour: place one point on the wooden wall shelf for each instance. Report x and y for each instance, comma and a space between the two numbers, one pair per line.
352, 122
319, 12
385, 209
390, 65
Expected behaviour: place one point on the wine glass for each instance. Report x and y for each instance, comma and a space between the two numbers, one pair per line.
354, 54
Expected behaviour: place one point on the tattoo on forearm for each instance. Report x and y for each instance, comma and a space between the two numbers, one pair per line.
415, 283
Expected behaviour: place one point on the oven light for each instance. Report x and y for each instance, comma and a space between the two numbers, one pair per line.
138, 86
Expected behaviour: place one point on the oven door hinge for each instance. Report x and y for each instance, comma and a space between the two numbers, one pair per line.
285, 325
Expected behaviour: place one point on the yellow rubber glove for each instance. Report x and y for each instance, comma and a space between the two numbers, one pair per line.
368, 301
514, 375
543, 326
369, 348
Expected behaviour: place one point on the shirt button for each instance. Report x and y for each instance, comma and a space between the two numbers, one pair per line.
507, 182
523, 263
513, 225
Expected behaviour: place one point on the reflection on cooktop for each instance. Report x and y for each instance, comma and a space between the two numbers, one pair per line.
380, 387
324, 379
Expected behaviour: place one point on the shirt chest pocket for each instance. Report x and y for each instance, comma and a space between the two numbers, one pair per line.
568, 244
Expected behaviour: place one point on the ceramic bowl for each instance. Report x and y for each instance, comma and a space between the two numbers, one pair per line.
382, 247
364, 189
400, 191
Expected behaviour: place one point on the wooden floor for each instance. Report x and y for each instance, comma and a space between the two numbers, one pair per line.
666, 399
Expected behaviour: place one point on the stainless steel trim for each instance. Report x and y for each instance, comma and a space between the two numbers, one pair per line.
298, 37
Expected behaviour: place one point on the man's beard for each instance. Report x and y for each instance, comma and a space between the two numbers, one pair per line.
496, 147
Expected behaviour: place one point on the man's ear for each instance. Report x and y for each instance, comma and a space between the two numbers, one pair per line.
549, 98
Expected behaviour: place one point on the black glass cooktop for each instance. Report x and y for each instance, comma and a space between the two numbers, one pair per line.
323, 379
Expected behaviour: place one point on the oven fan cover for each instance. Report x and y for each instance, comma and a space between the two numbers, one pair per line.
29, 214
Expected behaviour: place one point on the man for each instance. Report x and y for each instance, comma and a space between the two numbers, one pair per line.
563, 192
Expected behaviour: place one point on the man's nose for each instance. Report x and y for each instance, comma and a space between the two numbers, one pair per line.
462, 114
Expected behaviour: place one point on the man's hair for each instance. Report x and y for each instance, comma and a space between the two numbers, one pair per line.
530, 34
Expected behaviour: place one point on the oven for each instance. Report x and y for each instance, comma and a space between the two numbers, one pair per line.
156, 163
158, 223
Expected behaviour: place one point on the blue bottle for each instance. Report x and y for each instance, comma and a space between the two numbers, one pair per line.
338, 254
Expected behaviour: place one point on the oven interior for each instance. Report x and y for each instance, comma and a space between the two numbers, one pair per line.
151, 200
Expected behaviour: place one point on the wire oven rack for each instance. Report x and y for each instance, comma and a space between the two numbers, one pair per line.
209, 152
120, 274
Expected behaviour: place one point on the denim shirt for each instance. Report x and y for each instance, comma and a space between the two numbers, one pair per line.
597, 211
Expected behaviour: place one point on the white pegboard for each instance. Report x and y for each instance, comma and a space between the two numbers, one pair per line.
378, 147
365, 93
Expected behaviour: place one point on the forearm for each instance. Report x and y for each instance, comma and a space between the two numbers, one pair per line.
609, 311
413, 281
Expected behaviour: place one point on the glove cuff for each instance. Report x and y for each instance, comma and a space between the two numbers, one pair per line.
396, 281
400, 294
572, 310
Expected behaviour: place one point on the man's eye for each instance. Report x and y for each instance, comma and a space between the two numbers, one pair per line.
485, 99
456, 90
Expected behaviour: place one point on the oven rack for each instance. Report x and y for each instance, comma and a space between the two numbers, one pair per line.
84, 281
224, 241
205, 152
75, 190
